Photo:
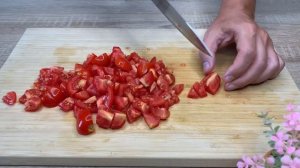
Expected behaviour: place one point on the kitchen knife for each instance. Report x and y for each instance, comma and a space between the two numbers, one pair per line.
176, 19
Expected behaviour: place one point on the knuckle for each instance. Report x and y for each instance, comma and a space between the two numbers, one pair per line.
264, 36
250, 28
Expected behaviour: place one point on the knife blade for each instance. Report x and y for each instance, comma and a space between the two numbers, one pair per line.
176, 19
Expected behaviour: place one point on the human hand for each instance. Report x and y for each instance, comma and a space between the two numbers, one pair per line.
256, 60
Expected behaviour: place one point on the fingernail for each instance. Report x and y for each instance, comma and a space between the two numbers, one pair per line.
228, 78
229, 86
205, 66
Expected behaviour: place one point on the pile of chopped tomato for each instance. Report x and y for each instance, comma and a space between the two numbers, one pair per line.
114, 86
210, 83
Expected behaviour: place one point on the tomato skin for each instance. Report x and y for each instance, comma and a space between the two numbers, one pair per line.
82, 95
122, 63
151, 120
89, 60
192, 93
84, 122
178, 88
52, 97
142, 69
200, 89
10, 98
161, 113
110, 96
22, 99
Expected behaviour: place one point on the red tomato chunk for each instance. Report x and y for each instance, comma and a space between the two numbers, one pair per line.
116, 87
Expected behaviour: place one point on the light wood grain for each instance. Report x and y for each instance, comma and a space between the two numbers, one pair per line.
215, 131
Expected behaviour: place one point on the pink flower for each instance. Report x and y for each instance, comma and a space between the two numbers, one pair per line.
270, 161
292, 121
279, 138
256, 161
288, 162
290, 107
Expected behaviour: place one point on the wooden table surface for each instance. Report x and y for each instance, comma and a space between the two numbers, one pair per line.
280, 17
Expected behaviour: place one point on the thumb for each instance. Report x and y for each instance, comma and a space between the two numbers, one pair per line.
212, 41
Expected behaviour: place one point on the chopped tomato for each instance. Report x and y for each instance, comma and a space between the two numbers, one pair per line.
23, 99
104, 119
192, 93
67, 104
82, 95
151, 120
52, 97
178, 88
33, 104
123, 64
10, 98
200, 89
120, 102
212, 83
133, 114
147, 79
84, 122
75, 84
142, 69
161, 113
118, 121
102, 60
115, 86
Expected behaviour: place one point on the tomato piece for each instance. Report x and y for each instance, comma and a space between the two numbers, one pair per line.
158, 101
102, 60
109, 71
140, 105
120, 102
75, 84
89, 60
133, 114
192, 93
147, 79
104, 119
67, 104
101, 84
178, 88
33, 93
162, 83
23, 99
142, 69
212, 83
101, 101
92, 90
199, 88
118, 121
33, 104
151, 120
82, 95
52, 97
170, 78
123, 64
91, 100
84, 122
110, 96
161, 113
97, 71
10, 98
152, 63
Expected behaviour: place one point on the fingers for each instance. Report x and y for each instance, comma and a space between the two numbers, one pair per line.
246, 48
254, 71
212, 40
273, 65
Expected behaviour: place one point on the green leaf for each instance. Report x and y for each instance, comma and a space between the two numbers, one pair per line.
272, 144
277, 162
262, 115
276, 129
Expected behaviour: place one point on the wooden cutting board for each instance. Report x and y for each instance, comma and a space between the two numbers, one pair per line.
215, 131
